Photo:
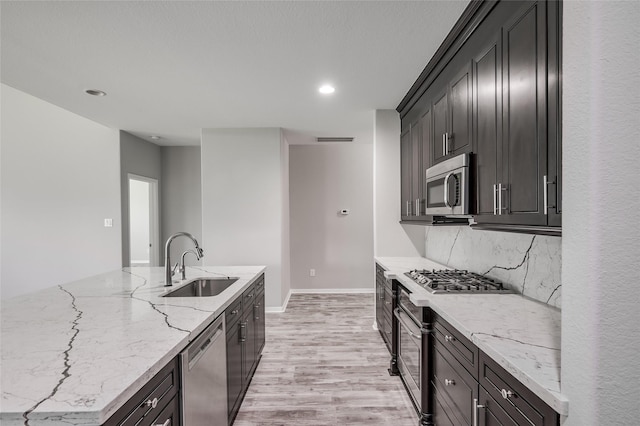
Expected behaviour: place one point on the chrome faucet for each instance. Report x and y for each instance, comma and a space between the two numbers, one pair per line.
183, 268
168, 272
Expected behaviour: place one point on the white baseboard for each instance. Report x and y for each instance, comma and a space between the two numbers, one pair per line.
279, 309
333, 290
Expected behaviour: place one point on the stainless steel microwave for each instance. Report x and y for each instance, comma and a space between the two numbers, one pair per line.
447, 190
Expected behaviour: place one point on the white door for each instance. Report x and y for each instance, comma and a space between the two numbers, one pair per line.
143, 221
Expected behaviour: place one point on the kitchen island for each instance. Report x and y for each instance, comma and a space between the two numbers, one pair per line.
75, 353
521, 335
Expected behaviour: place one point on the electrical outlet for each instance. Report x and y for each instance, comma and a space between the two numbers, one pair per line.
312, 272
108, 223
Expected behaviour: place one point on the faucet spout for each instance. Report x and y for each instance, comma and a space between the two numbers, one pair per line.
167, 255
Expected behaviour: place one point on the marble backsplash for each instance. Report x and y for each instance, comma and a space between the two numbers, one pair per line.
528, 264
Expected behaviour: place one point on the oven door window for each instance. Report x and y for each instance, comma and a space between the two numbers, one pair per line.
409, 350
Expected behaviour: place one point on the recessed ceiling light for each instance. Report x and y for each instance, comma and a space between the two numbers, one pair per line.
94, 92
155, 137
326, 89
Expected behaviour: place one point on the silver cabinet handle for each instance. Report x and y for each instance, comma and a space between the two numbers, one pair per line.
408, 208
495, 199
476, 407
235, 311
500, 189
506, 394
444, 144
417, 206
446, 190
448, 338
545, 185
242, 335
152, 403
448, 382
166, 423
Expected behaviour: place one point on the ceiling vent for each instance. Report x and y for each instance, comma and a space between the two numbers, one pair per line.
334, 139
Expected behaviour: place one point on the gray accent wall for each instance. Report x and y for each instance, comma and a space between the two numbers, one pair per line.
141, 158
59, 181
323, 180
181, 200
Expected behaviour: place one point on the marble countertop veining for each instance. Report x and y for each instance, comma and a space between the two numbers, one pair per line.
520, 334
74, 353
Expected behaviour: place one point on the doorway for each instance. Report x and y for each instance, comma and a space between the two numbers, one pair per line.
143, 221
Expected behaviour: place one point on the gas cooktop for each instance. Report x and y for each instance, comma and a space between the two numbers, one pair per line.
455, 281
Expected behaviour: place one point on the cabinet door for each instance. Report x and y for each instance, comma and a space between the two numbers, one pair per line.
554, 168
379, 297
406, 176
487, 113
426, 133
491, 414
259, 323
249, 346
234, 368
524, 147
416, 167
459, 134
440, 126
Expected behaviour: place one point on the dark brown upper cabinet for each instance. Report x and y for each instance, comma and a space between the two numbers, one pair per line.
452, 118
414, 153
516, 176
493, 89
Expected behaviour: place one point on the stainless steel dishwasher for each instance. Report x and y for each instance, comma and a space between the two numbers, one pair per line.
204, 377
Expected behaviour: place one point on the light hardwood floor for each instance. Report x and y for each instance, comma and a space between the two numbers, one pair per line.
323, 364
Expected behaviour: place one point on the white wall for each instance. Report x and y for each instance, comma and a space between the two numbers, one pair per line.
601, 249
323, 180
139, 223
242, 202
181, 198
59, 181
391, 238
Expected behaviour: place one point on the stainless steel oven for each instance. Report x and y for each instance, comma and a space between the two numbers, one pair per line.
410, 346
447, 190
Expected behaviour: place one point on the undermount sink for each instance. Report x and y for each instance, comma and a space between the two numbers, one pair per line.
202, 287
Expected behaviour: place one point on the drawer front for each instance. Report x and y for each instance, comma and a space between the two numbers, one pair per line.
515, 399
388, 302
233, 313
170, 415
461, 348
456, 387
248, 296
148, 403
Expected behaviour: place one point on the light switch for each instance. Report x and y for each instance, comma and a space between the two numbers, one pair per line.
108, 223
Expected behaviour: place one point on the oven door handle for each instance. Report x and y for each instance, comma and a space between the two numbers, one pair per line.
409, 326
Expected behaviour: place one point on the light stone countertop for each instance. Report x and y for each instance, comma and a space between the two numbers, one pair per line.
520, 334
75, 353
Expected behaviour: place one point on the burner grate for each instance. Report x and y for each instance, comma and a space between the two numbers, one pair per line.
455, 281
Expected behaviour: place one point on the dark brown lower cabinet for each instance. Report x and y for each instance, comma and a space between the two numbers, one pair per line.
158, 399
245, 341
480, 389
384, 307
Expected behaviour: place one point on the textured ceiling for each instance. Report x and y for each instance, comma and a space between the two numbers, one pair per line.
171, 68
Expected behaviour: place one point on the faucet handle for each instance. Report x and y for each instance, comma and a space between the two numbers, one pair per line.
173, 270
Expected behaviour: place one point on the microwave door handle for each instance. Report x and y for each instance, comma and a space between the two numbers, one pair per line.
446, 190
